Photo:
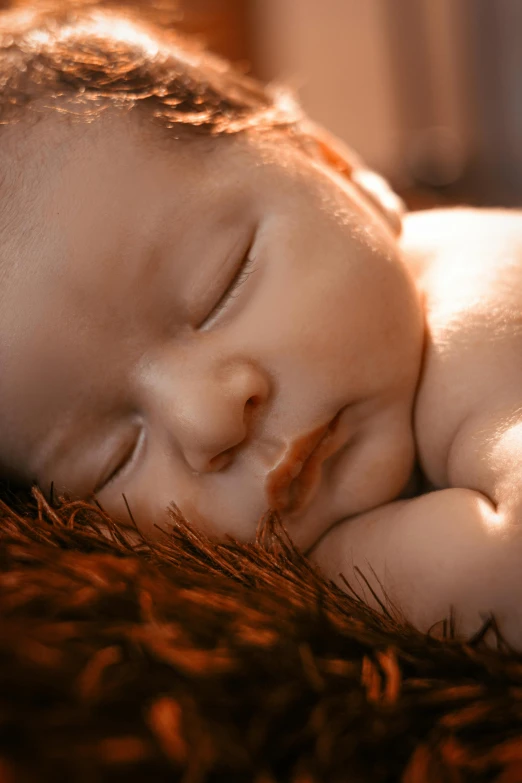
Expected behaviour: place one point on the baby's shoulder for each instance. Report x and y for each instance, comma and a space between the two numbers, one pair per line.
456, 243
468, 264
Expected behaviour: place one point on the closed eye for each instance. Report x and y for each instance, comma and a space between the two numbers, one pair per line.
119, 463
244, 271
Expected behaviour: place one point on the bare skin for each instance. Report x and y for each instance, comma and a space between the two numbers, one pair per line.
130, 366
127, 370
460, 545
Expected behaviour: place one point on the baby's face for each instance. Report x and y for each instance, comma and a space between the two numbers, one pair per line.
186, 321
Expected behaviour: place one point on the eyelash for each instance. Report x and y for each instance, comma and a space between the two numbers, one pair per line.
121, 466
243, 273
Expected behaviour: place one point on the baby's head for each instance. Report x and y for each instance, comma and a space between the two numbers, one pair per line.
198, 288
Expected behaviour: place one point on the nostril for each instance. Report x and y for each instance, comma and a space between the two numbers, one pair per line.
252, 407
221, 461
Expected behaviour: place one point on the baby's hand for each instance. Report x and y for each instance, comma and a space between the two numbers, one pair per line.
450, 547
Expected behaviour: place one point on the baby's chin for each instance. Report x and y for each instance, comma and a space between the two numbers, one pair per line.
362, 476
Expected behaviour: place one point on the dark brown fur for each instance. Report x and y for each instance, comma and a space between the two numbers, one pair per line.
197, 661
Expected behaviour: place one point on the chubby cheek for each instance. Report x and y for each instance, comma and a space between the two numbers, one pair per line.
301, 330
380, 465
218, 504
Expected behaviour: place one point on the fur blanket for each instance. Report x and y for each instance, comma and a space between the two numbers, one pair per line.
199, 662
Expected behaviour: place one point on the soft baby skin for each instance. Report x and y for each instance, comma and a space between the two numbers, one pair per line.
179, 329
459, 545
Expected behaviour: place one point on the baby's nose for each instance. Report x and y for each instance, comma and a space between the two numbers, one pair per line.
209, 416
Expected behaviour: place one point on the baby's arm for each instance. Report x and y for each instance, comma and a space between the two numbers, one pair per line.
460, 546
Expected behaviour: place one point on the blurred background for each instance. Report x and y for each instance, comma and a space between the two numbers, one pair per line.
429, 92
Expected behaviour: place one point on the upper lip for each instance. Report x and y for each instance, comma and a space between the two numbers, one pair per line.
291, 483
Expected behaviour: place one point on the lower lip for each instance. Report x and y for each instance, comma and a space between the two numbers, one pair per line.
301, 491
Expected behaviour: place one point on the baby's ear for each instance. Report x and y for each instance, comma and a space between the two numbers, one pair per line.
374, 187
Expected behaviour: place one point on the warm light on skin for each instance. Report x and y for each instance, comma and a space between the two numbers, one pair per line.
127, 249
459, 545
120, 346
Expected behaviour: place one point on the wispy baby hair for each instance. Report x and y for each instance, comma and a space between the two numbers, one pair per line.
85, 60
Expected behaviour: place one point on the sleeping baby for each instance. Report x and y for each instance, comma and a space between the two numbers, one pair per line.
206, 301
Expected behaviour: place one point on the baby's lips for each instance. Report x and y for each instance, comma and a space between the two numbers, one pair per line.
279, 486
291, 484
287, 470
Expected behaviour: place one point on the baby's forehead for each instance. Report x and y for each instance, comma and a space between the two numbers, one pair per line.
45, 154
35, 152
41, 146
59, 168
